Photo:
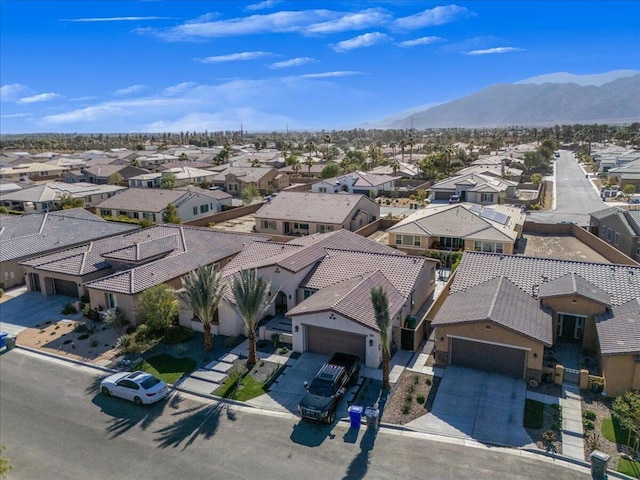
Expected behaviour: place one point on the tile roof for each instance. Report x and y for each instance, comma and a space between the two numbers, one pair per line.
619, 329
153, 199
327, 208
502, 302
573, 284
351, 298
338, 265
24, 236
462, 220
197, 246
473, 179
621, 282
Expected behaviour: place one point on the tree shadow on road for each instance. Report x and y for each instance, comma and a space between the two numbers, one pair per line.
201, 421
125, 415
360, 464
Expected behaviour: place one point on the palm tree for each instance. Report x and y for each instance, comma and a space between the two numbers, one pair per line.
202, 292
410, 149
403, 145
393, 146
381, 311
251, 294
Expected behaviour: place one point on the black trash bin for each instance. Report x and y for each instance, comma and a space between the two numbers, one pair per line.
355, 416
373, 418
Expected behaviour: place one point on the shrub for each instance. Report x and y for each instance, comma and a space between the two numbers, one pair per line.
588, 425
80, 328
84, 336
143, 331
283, 351
406, 408
68, 309
229, 341
123, 342
115, 317
416, 379
84, 299
1, 293
275, 338
428, 381
420, 399
93, 343
549, 436
178, 334
589, 415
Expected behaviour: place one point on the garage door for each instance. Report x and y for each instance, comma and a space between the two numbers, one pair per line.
328, 342
442, 195
65, 287
488, 357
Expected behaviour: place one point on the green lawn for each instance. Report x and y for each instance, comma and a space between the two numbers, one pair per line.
168, 368
614, 432
629, 467
533, 414
247, 389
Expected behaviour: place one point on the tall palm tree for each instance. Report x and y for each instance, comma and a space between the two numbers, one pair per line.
403, 145
251, 294
410, 149
202, 292
381, 311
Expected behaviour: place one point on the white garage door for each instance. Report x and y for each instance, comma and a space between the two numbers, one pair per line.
328, 341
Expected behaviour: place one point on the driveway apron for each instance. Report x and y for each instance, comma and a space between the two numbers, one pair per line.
482, 406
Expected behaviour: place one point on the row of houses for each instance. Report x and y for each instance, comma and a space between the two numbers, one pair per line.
500, 312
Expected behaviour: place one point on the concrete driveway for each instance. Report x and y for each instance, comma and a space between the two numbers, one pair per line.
286, 392
29, 309
482, 406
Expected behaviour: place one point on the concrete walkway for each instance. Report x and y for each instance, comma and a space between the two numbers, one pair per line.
572, 432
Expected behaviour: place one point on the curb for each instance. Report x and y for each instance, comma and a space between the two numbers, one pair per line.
66, 359
575, 461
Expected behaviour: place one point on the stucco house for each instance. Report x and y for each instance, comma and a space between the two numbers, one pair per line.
34, 171
504, 312
100, 174
305, 213
475, 188
160, 254
364, 183
322, 284
43, 198
460, 226
618, 227
182, 176
23, 237
149, 203
265, 179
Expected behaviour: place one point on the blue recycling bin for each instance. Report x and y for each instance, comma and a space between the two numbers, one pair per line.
355, 416
3, 336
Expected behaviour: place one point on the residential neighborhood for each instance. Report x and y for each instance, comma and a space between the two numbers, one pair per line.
477, 288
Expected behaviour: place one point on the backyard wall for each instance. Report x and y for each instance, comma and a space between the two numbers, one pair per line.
224, 216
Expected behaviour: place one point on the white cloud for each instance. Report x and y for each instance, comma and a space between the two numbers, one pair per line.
294, 62
361, 41
17, 115
88, 114
132, 89
179, 88
490, 51
13, 91
262, 5
420, 41
372, 17
41, 97
277, 22
334, 74
432, 17
233, 57
113, 19
230, 119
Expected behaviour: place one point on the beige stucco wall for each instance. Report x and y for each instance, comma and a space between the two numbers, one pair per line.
45, 282
495, 334
427, 241
11, 274
621, 373
577, 305
321, 319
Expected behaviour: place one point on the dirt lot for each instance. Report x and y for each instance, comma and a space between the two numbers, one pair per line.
562, 247
412, 398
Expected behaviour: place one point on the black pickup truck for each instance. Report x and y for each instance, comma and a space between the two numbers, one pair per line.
328, 387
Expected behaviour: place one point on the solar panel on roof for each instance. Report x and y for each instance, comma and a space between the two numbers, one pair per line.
476, 208
494, 216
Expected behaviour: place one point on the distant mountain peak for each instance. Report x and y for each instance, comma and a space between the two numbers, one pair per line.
596, 79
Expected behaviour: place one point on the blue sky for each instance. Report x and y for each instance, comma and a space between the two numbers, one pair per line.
155, 65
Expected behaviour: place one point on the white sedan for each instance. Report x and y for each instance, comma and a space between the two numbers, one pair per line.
139, 387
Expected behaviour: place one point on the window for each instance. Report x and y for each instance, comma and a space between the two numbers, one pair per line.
306, 293
322, 189
325, 228
149, 216
486, 197
491, 247
638, 249
452, 243
268, 224
104, 213
110, 300
301, 226
204, 208
408, 240
616, 238
136, 215
195, 210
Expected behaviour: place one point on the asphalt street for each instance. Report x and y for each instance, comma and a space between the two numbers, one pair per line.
56, 426
576, 197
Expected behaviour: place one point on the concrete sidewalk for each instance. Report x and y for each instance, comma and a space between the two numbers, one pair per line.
572, 431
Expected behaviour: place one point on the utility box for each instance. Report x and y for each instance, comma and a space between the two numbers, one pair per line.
599, 462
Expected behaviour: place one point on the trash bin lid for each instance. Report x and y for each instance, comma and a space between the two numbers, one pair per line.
355, 409
3, 334
597, 454
371, 412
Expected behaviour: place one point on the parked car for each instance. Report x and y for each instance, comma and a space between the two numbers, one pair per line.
139, 387
329, 387
454, 199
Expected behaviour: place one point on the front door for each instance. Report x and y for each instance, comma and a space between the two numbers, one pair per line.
281, 302
287, 228
570, 327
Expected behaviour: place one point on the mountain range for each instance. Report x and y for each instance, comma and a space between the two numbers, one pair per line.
546, 100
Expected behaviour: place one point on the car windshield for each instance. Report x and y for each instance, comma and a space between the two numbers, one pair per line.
149, 382
322, 388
